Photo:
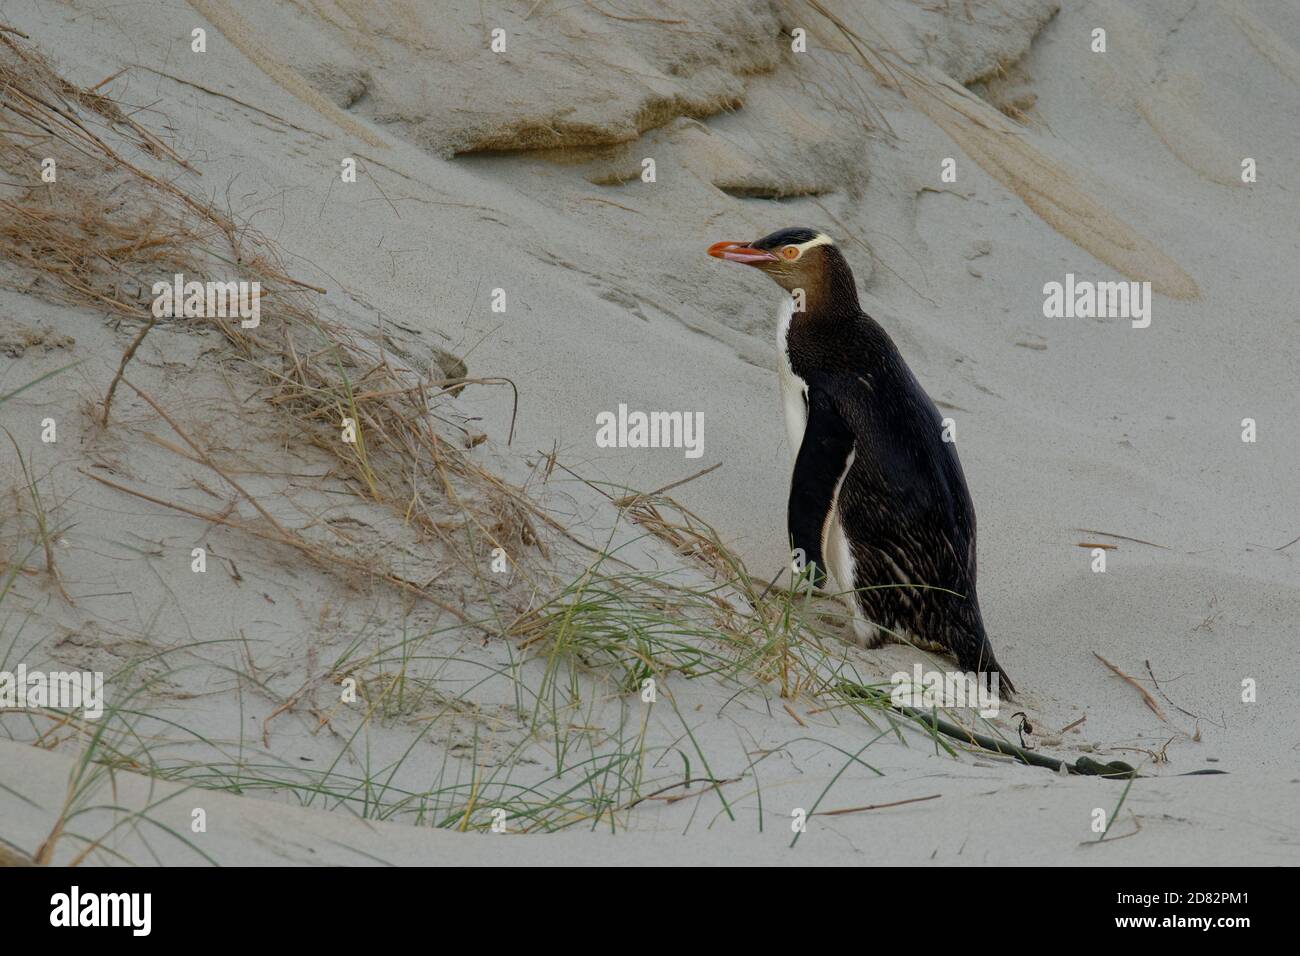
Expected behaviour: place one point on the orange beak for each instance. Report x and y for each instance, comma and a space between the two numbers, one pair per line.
739, 252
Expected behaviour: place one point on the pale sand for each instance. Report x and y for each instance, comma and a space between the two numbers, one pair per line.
1063, 424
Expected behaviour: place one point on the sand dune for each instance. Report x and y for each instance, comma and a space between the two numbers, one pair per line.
425, 636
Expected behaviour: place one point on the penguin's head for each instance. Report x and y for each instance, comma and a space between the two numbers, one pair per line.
795, 258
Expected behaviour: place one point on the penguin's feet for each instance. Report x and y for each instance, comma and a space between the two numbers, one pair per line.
865, 633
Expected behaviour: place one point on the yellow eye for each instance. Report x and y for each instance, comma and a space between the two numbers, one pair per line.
790, 252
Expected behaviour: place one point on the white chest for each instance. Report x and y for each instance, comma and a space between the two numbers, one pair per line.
835, 546
793, 389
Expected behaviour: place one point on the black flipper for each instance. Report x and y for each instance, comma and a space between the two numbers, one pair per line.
822, 457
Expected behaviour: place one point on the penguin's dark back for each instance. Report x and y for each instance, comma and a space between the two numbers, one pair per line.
896, 424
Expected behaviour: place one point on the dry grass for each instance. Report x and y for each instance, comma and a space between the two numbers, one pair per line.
117, 220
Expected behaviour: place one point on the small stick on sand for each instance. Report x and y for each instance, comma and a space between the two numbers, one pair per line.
1123, 537
876, 806
121, 368
610, 202
1161, 691
1288, 544
714, 782
1150, 701
108, 79
637, 496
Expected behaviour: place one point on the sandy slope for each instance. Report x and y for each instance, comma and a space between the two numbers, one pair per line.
521, 171
981, 819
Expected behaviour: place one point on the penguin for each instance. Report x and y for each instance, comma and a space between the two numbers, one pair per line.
878, 500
